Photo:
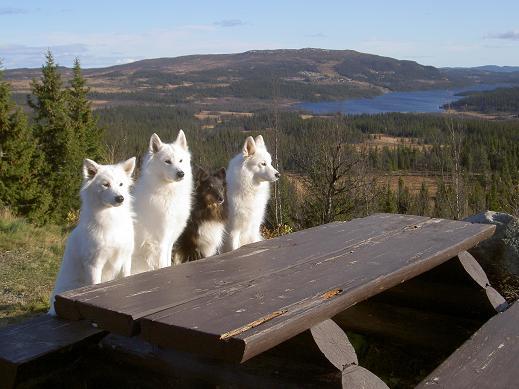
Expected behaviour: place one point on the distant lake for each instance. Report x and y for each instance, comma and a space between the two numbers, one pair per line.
418, 101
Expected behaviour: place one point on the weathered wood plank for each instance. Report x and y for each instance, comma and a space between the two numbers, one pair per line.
448, 289
413, 327
336, 347
360, 377
488, 360
287, 366
302, 292
334, 344
119, 304
24, 345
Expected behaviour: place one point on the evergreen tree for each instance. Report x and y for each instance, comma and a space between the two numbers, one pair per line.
403, 198
422, 201
55, 133
84, 123
20, 162
390, 202
442, 207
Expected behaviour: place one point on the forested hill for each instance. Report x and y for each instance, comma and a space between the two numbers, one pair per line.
251, 79
501, 100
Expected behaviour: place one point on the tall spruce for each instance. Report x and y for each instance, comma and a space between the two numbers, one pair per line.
84, 123
20, 162
403, 198
422, 201
59, 144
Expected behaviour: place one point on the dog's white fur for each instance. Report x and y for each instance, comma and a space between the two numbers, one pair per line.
248, 190
100, 248
211, 235
162, 202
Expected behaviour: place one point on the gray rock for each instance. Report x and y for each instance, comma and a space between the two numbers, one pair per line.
499, 255
502, 249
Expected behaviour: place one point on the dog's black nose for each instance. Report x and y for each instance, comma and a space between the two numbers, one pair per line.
180, 174
278, 175
119, 199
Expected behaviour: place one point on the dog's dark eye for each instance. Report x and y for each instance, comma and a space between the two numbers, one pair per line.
121, 184
168, 161
106, 185
263, 164
180, 161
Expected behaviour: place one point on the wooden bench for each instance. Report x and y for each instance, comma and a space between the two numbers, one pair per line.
28, 349
488, 360
238, 305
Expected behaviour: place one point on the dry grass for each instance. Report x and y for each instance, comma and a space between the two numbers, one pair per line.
29, 261
412, 181
392, 142
218, 115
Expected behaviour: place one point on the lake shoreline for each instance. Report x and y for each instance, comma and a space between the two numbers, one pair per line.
423, 101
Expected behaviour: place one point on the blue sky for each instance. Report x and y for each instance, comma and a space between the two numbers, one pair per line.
102, 33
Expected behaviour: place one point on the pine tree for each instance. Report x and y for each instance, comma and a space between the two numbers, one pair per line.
422, 201
442, 201
20, 162
83, 121
403, 198
60, 147
390, 203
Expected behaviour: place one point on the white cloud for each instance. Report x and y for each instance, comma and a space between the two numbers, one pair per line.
512, 35
105, 49
229, 23
316, 35
13, 11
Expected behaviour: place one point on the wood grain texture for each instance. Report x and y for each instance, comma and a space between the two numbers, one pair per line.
360, 273
118, 305
309, 276
334, 344
336, 347
361, 378
474, 269
488, 360
286, 366
39, 338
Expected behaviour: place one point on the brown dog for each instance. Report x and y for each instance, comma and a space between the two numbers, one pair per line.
205, 229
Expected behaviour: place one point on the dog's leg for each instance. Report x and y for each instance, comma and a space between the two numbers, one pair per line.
93, 273
234, 239
165, 256
127, 266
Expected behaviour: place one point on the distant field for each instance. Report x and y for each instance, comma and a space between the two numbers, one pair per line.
413, 181
392, 142
219, 115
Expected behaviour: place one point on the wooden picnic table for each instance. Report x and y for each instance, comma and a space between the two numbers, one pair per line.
237, 305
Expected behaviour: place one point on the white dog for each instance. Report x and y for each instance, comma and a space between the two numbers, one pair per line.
100, 248
248, 177
162, 202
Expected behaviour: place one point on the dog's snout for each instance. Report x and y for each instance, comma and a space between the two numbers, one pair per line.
119, 199
180, 174
277, 175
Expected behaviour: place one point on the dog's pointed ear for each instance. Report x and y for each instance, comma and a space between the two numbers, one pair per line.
90, 169
259, 141
201, 174
220, 173
129, 166
181, 140
155, 143
249, 147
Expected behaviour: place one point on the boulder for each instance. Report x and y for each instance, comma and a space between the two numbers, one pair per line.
499, 255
